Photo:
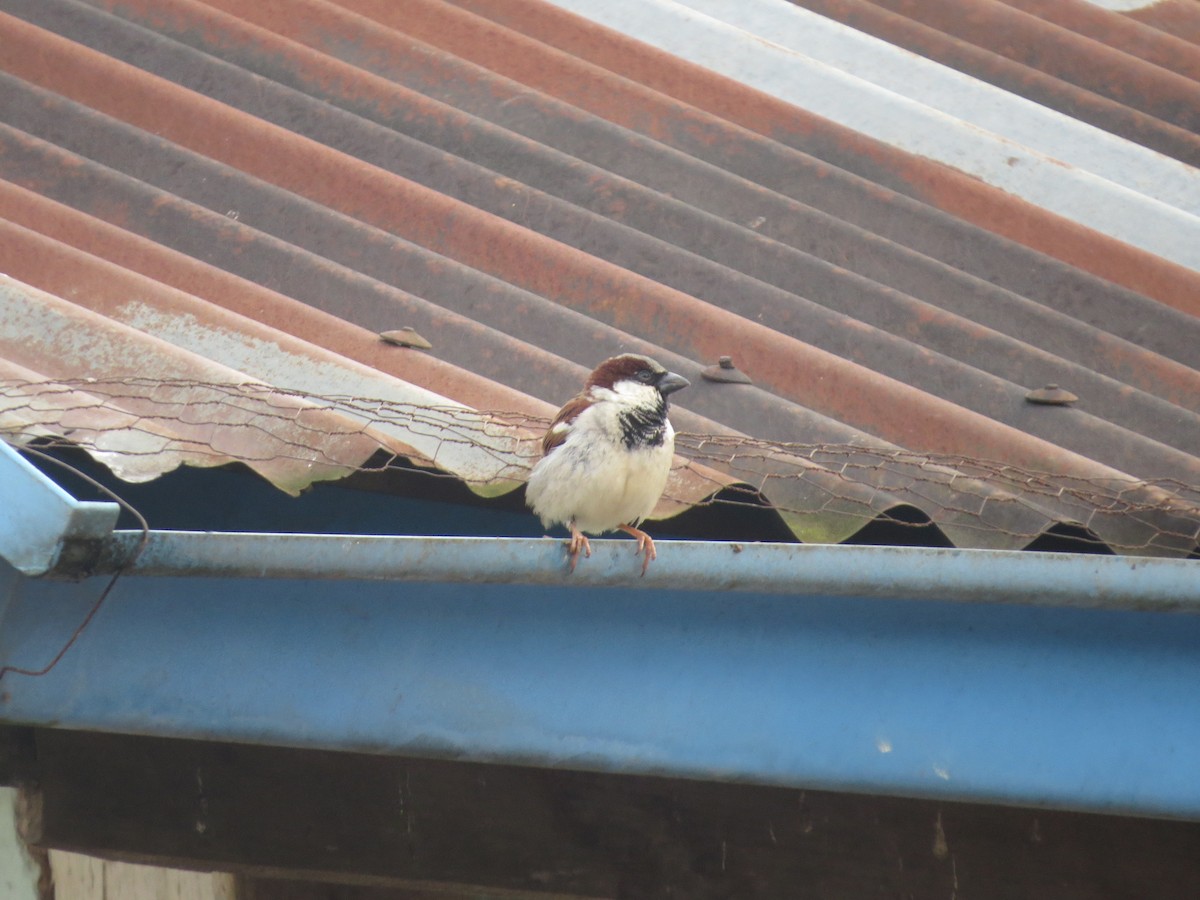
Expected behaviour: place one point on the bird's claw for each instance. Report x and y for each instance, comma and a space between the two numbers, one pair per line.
645, 544
577, 542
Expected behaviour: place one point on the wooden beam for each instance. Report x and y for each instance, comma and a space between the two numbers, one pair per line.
398, 827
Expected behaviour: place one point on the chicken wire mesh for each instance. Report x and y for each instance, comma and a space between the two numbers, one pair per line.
141, 428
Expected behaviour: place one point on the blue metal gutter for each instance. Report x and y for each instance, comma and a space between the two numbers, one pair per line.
39, 520
1030, 679
974, 576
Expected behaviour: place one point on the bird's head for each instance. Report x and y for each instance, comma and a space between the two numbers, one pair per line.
634, 378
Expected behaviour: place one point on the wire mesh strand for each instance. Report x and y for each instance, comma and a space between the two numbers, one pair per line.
187, 422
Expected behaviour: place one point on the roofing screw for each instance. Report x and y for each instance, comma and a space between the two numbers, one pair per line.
405, 337
726, 372
1050, 395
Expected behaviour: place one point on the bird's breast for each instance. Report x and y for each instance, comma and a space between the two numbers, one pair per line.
596, 480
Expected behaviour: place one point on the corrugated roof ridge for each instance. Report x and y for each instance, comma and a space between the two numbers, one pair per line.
437, 73
837, 508
791, 494
133, 92
1176, 17
735, 104
222, 288
900, 359
802, 47
271, 356
1076, 193
1069, 54
1024, 522
44, 321
595, 274
844, 513
1012, 76
131, 207
1121, 32
187, 26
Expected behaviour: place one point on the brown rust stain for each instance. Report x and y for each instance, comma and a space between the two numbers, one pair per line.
1122, 32
1063, 53
955, 192
1180, 18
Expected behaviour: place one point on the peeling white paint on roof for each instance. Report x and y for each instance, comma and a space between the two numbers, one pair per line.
145, 433
490, 457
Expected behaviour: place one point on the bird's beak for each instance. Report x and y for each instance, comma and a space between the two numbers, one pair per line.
671, 382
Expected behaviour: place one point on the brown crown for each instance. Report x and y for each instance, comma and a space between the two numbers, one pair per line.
621, 368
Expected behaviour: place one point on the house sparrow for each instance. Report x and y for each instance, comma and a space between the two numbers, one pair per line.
606, 456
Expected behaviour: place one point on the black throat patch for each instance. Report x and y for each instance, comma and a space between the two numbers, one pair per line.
644, 427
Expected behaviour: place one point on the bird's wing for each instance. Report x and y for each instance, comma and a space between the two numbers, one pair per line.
561, 426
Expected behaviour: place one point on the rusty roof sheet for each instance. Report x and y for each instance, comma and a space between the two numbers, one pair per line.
238, 191
1068, 167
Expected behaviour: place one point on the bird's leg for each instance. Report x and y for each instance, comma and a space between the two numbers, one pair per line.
644, 542
578, 542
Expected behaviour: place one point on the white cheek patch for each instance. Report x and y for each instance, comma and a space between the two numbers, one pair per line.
634, 392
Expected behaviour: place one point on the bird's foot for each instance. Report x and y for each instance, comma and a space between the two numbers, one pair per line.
577, 542
645, 544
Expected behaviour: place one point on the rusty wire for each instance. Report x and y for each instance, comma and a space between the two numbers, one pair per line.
186, 422
94, 609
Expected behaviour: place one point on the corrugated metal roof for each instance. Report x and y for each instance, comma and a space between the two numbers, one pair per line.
253, 191
1064, 166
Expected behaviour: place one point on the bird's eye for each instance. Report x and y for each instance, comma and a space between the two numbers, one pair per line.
645, 376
